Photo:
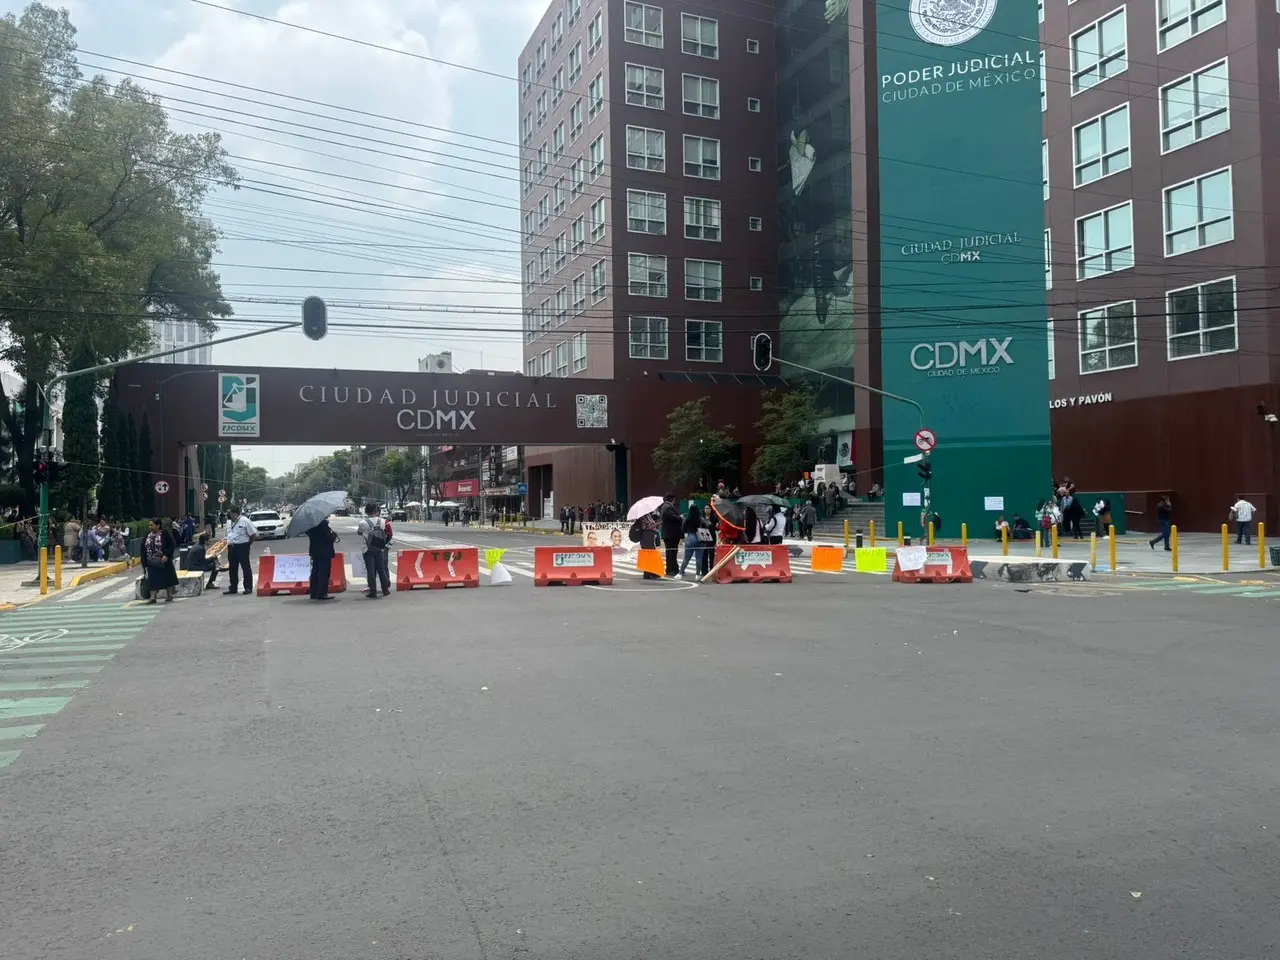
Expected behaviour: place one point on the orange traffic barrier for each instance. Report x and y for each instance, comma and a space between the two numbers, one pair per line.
755, 563
827, 560
572, 566
923, 564
290, 573
436, 569
651, 561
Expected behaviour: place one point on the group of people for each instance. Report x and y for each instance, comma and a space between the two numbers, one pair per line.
697, 529
598, 512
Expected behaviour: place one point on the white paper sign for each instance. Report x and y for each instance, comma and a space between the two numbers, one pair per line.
995, 504
292, 568
911, 558
911, 499
358, 568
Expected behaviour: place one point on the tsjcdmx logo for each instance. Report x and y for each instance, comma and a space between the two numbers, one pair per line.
239, 404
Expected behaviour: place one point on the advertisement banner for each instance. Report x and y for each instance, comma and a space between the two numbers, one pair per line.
453, 489
963, 317
597, 534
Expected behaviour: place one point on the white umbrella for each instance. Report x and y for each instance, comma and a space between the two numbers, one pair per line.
644, 507
413, 503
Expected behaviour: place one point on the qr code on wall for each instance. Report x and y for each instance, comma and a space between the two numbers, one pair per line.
593, 410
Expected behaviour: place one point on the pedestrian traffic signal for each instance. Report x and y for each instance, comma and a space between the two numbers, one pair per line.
54, 470
41, 471
315, 318
925, 469
762, 345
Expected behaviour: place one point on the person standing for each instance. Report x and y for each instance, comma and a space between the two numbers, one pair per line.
158, 548
374, 531
808, 517
672, 524
1242, 512
320, 548
1164, 522
693, 545
240, 534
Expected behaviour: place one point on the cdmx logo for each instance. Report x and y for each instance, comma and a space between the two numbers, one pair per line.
961, 358
239, 404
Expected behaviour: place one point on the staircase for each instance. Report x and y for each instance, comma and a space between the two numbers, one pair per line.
860, 514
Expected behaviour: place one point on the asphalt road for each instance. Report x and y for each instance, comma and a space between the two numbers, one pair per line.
837, 768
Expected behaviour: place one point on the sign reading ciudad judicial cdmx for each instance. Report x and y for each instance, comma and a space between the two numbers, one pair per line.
962, 255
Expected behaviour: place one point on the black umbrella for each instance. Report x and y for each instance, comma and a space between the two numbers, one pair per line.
763, 503
731, 512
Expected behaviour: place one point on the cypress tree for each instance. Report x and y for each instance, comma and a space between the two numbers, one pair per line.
130, 508
82, 468
109, 489
146, 490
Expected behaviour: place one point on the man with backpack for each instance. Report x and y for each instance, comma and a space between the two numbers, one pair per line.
376, 533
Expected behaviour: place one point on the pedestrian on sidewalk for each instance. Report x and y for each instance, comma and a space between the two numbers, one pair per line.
320, 548
808, 517
376, 534
1242, 513
240, 534
645, 532
1164, 522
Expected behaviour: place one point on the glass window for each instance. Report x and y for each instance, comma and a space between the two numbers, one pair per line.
543, 104
646, 149
1194, 107
557, 86
753, 46
755, 224
574, 9
1098, 51
1048, 261
595, 95
557, 141
577, 176
646, 275
531, 367
595, 34
1202, 319
1044, 85
597, 220
702, 158
562, 251
574, 62
597, 156
753, 105
562, 359
757, 284
700, 37
578, 291
645, 87
1044, 166
1102, 146
578, 234
704, 341
598, 281
701, 96
1198, 213
1052, 364
1104, 242
703, 280
576, 120
701, 218
643, 23
579, 352
547, 369
755, 164
648, 338
561, 306
646, 212
1108, 338
1179, 20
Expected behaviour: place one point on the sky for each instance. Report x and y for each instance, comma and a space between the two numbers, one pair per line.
404, 214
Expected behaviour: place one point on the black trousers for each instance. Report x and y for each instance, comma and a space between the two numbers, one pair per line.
377, 568
672, 545
238, 560
319, 584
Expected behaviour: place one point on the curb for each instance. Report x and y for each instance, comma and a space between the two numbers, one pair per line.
110, 570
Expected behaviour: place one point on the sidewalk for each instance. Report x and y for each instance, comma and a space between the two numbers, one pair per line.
13, 577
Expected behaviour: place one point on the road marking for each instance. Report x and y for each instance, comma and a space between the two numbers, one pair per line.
31, 707
8, 756
43, 685
65, 648
17, 671
89, 590
25, 732
69, 659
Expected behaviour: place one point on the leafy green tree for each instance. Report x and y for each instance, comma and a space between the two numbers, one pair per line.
248, 483
787, 431
401, 471
144, 471
692, 449
100, 226
109, 489
130, 503
80, 450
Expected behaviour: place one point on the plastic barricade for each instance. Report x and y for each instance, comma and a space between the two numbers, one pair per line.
921, 564
572, 566
290, 574
438, 569
754, 563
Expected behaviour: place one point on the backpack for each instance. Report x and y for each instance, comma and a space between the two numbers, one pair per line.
378, 537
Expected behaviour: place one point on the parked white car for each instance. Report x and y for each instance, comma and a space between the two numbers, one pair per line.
268, 524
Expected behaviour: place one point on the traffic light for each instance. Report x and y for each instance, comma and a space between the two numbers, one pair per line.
762, 345
925, 469
315, 318
42, 471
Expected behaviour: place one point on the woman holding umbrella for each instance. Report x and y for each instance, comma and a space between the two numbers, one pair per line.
322, 539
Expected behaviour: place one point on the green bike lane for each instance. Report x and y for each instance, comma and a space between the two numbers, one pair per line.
48, 654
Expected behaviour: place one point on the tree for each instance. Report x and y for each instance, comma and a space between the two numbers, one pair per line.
693, 449
145, 478
787, 430
248, 483
80, 451
100, 226
401, 471
109, 489
130, 503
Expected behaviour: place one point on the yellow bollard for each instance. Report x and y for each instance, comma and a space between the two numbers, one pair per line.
901, 539
872, 525
1004, 541
1226, 555
1038, 544
1093, 551
846, 534
1111, 545
57, 567
964, 535
44, 571
1053, 539
931, 533
1173, 545
1262, 545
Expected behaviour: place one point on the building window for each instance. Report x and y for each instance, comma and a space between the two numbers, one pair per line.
1198, 213
578, 292
557, 30
544, 315
643, 23
526, 79
597, 220
595, 34
595, 95
1104, 242
755, 164
700, 37
703, 280
757, 284
1053, 371
576, 121
646, 275
598, 281
557, 141
704, 341
645, 87
578, 235
1102, 146
546, 363
530, 323
1048, 261
557, 86
531, 367
579, 352
702, 158
701, 96
1108, 338
530, 275
562, 306
577, 176
701, 218
562, 251
1044, 166
528, 226
541, 57
562, 359
648, 338
753, 105
755, 224
1044, 85
646, 212
574, 11
1179, 20
543, 105
544, 158
544, 210
526, 128
596, 154
574, 62
1098, 52
646, 149
1040, 9
753, 46
1194, 107
1202, 319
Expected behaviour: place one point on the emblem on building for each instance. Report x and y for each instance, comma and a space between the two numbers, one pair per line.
948, 23
239, 405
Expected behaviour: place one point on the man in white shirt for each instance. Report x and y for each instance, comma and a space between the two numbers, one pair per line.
240, 533
1243, 510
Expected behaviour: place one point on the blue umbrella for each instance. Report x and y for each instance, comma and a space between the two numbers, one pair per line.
318, 508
